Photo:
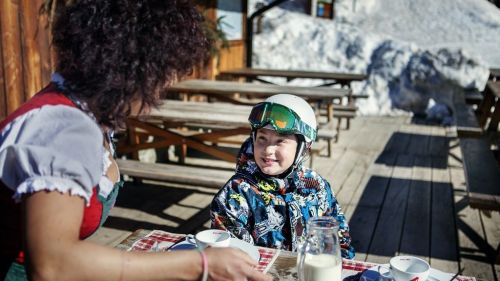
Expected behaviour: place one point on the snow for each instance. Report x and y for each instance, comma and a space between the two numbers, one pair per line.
416, 54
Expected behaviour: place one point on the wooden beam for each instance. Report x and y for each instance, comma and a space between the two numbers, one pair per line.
44, 39
31, 54
11, 54
3, 91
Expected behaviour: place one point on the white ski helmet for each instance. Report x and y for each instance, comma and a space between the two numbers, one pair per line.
301, 107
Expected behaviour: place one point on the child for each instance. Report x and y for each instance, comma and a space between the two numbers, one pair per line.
270, 198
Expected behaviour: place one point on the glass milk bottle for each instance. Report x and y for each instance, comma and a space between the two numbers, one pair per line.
319, 257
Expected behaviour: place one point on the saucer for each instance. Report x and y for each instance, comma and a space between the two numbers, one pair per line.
374, 273
246, 247
189, 244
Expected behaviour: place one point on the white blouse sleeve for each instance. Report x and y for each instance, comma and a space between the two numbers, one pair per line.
51, 148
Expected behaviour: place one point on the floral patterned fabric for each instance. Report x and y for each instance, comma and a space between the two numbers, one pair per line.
272, 212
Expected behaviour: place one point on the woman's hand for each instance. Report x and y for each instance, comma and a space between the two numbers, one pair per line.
232, 264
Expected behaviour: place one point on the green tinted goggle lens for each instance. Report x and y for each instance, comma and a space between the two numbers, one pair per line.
281, 118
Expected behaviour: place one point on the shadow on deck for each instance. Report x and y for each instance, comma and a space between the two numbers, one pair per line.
407, 198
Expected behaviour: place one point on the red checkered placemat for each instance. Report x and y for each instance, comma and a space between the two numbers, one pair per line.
267, 256
356, 265
351, 267
155, 237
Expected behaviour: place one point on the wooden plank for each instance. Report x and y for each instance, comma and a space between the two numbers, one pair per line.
363, 219
44, 40
439, 143
419, 141
215, 178
351, 191
179, 139
292, 74
491, 222
212, 115
11, 52
398, 142
341, 172
3, 84
482, 174
471, 237
444, 246
417, 222
229, 88
391, 219
466, 122
32, 69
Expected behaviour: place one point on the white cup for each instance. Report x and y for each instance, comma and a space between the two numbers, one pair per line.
212, 238
408, 268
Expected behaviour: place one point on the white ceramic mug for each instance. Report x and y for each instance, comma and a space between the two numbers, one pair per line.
408, 268
212, 238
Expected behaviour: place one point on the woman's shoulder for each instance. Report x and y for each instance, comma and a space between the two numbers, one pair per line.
51, 121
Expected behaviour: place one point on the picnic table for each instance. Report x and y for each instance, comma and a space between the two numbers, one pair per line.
344, 79
280, 264
476, 130
233, 91
220, 121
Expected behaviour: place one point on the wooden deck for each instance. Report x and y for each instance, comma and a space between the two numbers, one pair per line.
401, 185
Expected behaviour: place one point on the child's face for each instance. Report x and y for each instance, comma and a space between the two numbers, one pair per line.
274, 153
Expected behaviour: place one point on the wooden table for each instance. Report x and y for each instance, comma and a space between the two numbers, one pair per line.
164, 123
343, 79
233, 91
222, 119
282, 265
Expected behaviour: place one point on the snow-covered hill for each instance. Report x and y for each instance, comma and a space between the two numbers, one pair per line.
416, 53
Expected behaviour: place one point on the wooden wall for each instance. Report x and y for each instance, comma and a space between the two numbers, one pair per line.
25, 60
232, 57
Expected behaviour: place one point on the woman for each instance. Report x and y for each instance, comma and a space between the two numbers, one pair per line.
58, 178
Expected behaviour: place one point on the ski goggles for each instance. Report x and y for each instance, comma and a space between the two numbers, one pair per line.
283, 120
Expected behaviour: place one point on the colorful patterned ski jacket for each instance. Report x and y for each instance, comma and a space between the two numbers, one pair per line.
272, 212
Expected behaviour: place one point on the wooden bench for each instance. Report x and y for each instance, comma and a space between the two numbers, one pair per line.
482, 173
205, 176
481, 170
326, 134
341, 112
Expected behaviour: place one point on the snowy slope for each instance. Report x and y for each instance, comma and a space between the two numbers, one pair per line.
473, 25
415, 56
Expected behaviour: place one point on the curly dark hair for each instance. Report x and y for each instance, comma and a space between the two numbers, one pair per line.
114, 52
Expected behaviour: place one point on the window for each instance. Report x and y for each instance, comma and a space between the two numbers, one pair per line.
231, 14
